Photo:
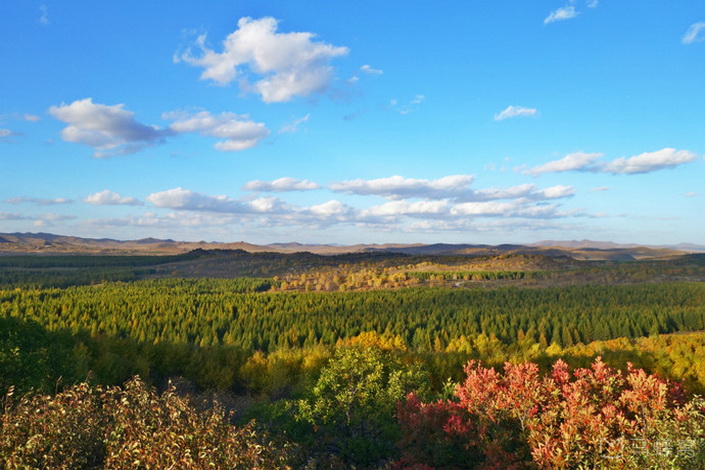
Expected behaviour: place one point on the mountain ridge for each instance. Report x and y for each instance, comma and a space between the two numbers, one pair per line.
48, 243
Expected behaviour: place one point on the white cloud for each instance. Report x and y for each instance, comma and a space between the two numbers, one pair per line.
398, 187
417, 208
184, 199
110, 198
565, 13
287, 64
555, 192
11, 216
515, 111
38, 201
643, 163
53, 217
521, 208
442, 204
454, 187
281, 185
110, 130
48, 220
239, 131
601, 188
171, 220
44, 17
691, 194
370, 70
408, 108
331, 209
294, 126
648, 162
503, 193
20, 116
592, 3
695, 33
5, 133
571, 162
526, 191
483, 208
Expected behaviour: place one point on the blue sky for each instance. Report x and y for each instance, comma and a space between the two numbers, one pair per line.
354, 122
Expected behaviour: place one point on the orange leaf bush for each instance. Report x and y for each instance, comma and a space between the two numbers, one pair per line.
595, 417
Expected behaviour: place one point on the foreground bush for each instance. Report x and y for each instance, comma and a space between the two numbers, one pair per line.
128, 427
350, 410
592, 418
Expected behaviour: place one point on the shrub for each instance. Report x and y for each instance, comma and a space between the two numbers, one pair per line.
593, 418
129, 427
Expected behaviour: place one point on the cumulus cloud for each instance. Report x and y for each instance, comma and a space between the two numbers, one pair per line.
38, 201
110, 130
239, 131
407, 208
521, 208
184, 199
398, 187
331, 209
696, 33
454, 187
515, 111
572, 162
281, 185
286, 64
368, 69
643, 163
487, 194
648, 162
110, 198
554, 192
483, 208
445, 201
565, 13
171, 220
526, 191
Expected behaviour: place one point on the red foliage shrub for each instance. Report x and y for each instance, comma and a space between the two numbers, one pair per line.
593, 418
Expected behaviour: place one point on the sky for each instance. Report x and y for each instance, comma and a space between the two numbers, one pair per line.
344, 122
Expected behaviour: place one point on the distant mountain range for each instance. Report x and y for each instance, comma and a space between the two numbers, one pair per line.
47, 243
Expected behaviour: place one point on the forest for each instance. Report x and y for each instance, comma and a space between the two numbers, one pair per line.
366, 360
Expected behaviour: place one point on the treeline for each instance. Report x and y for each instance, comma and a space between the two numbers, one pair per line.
235, 334
474, 275
217, 312
41, 271
91, 261
352, 271
66, 277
